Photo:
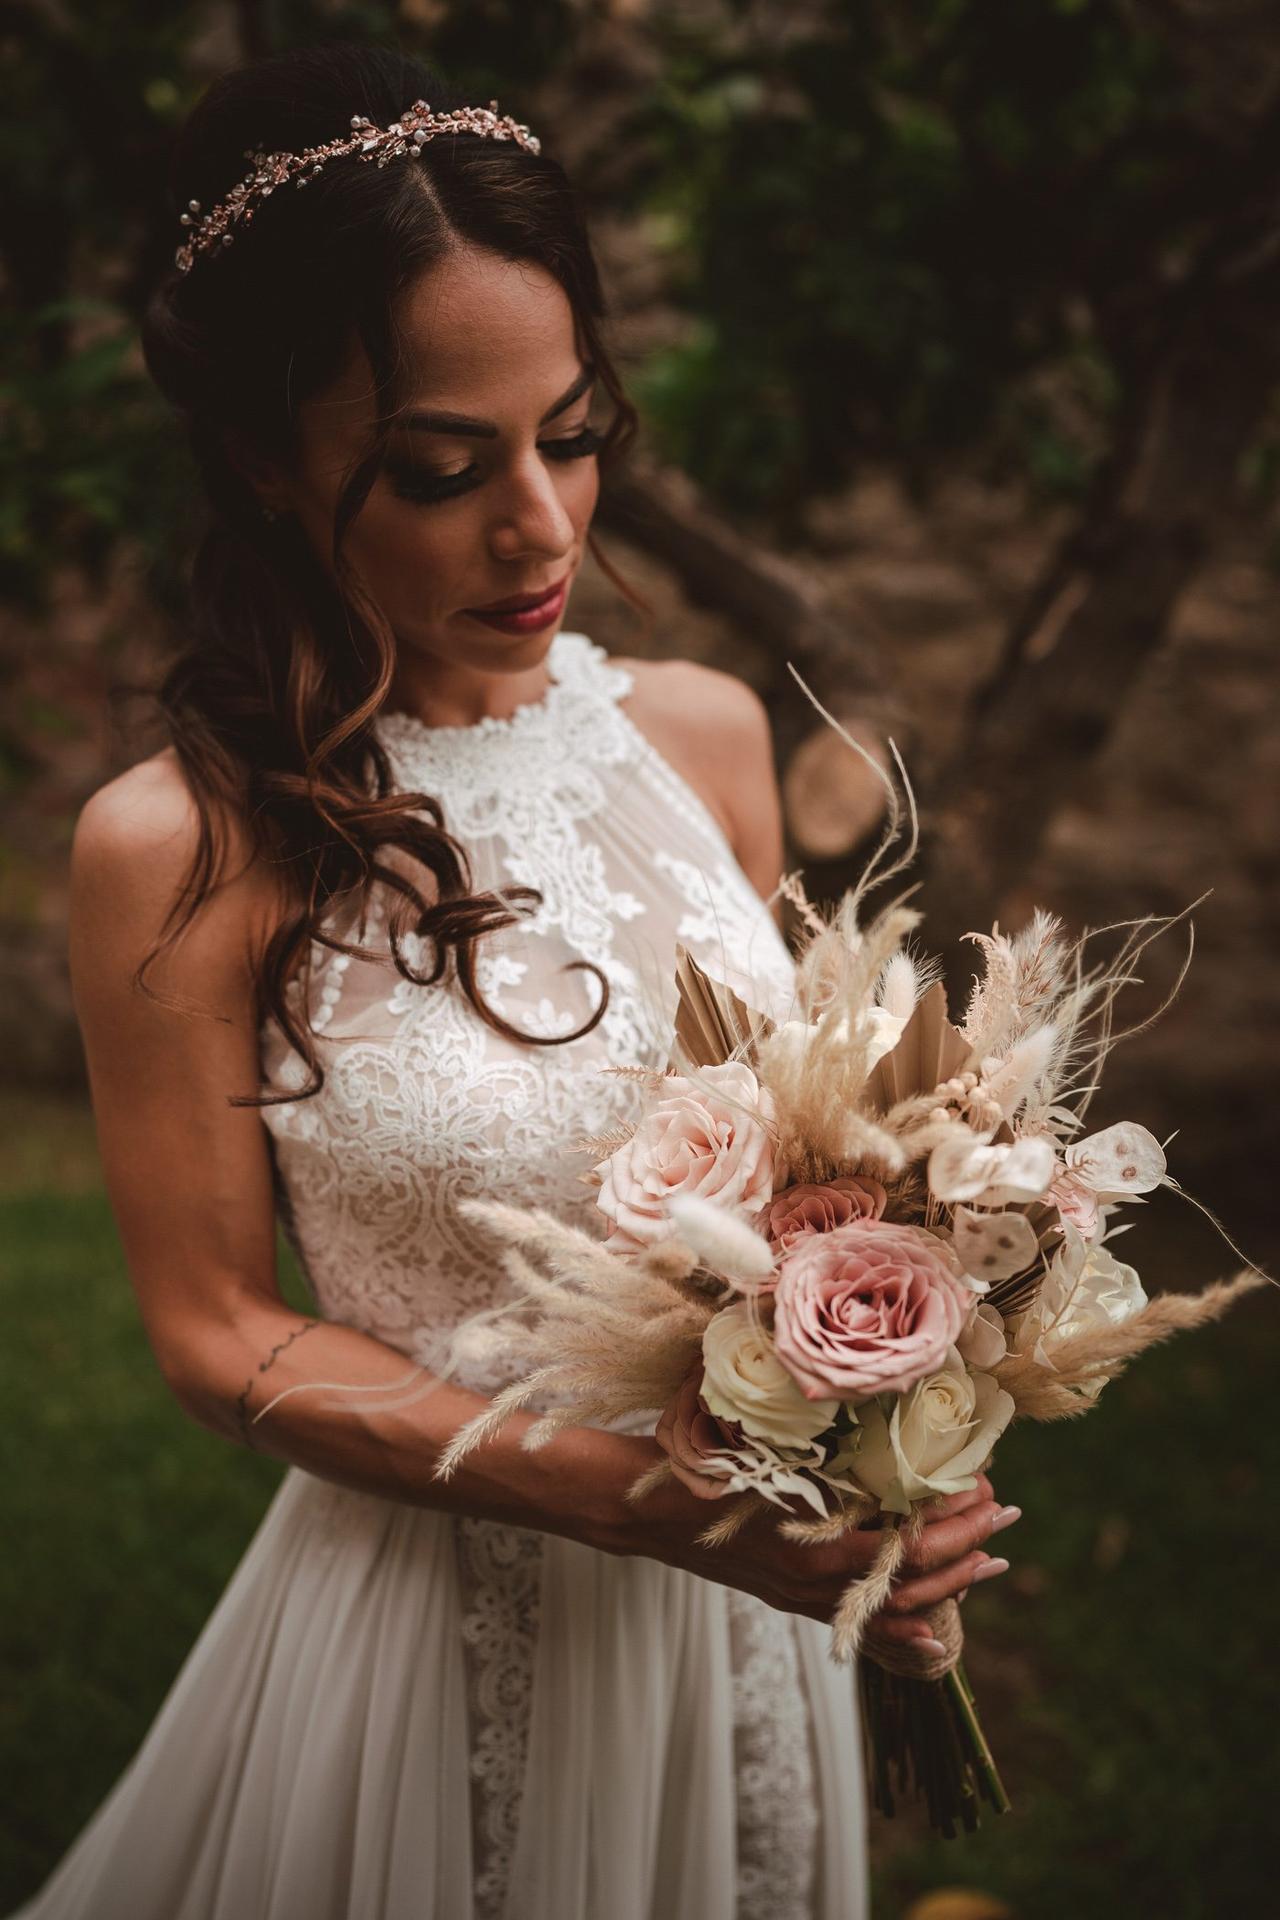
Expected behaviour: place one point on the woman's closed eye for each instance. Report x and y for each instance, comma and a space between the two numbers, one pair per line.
412, 480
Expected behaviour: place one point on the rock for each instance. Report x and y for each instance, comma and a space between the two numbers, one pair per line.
958, 1903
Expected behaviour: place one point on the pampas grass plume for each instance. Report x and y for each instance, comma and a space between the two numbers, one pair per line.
724, 1242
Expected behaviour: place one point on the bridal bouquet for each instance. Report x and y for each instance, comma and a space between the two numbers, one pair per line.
841, 1254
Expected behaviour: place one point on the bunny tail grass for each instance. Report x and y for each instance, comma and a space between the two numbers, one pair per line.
863, 1598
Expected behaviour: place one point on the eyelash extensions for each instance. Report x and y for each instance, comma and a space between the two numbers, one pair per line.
425, 488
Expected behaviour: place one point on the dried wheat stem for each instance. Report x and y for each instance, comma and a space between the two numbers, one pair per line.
653, 1477
815, 1533
863, 1598
731, 1521
1053, 1392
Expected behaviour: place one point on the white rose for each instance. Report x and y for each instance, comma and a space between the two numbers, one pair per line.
876, 1026
1085, 1287
933, 1441
705, 1136
744, 1380
981, 1342
881, 1029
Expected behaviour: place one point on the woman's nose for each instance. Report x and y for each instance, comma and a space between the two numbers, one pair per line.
533, 517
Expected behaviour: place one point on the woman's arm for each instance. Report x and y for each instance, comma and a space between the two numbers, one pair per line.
189, 1178
190, 1183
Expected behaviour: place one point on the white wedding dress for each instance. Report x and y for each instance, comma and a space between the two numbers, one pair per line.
396, 1715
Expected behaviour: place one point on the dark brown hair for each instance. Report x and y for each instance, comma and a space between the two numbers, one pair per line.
271, 704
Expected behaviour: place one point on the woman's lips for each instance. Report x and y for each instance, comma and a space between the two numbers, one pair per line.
526, 619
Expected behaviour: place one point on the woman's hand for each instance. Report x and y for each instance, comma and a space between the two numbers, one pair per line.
944, 1562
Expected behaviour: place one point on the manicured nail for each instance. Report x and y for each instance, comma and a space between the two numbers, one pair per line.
1006, 1518
990, 1568
932, 1646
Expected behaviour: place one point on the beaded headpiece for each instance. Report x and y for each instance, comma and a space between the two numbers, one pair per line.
409, 134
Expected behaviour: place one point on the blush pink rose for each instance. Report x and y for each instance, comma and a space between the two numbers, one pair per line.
694, 1440
706, 1137
867, 1308
801, 1210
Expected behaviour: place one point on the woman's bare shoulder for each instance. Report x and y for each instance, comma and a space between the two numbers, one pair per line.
714, 729
149, 810
694, 699
135, 842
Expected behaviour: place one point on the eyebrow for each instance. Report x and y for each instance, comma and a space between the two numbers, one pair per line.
485, 429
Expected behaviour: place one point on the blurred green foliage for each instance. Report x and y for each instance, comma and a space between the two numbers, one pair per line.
888, 222
87, 444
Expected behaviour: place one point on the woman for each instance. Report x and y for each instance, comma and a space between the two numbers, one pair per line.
513, 1693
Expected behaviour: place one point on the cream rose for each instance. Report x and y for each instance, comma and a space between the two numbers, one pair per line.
707, 1138
1085, 1287
982, 1343
932, 1442
744, 1380
876, 1028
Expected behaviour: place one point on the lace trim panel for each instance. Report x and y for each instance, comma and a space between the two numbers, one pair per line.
777, 1804
500, 1570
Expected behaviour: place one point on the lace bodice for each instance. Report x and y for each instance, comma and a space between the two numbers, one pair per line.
424, 1105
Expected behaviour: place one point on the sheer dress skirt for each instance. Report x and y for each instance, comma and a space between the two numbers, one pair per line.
395, 1716
392, 1715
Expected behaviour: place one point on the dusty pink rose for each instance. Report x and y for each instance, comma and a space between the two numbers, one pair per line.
706, 1137
693, 1439
801, 1210
868, 1308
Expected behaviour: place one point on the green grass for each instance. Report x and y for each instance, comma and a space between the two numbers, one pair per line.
1125, 1663
1124, 1666
122, 1521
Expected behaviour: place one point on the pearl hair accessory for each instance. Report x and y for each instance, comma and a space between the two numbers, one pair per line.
409, 134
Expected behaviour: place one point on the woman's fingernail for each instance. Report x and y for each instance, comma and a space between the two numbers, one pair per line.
931, 1645
1006, 1518
990, 1568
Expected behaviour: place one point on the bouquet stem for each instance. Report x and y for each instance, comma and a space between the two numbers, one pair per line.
923, 1739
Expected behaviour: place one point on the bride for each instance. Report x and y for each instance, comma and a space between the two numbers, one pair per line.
354, 948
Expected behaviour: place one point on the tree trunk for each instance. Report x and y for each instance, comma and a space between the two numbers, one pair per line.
1037, 725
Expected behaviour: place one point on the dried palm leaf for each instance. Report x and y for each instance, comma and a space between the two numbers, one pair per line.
712, 1023
929, 1051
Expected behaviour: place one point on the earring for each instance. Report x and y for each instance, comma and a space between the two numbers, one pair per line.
269, 514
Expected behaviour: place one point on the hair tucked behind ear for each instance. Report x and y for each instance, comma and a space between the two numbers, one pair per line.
271, 705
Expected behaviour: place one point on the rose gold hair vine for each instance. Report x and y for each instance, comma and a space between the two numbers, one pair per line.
409, 134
